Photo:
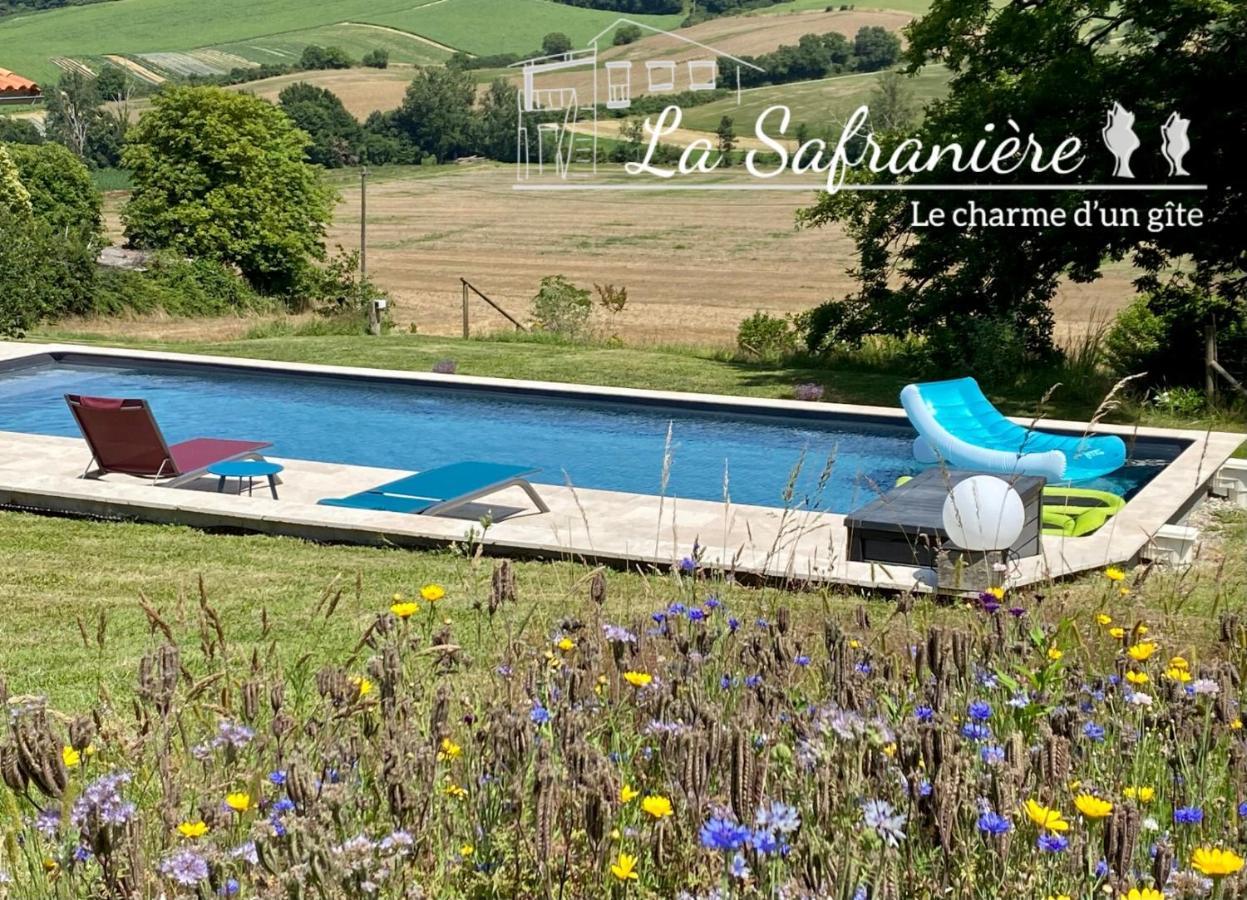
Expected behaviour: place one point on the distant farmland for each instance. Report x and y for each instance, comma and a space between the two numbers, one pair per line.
29, 43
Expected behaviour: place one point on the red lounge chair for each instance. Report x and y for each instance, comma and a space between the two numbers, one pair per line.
124, 437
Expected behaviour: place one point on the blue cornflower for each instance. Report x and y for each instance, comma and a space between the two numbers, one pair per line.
861, 893
924, 788
713, 602
688, 564
764, 842
722, 834
924, 714
992, 754
802, 660
993, 824
863, 668
1242, 810
1101, 869
725, 682
696, 615
763, 624
539, 714
980, 711
738, 868
229, 888
677, 609
752, 681
1188, 815
976, 731
283, 805
779, 817
277, 776
733, 624
1052, 843
658, 617
886, 822
1093, 732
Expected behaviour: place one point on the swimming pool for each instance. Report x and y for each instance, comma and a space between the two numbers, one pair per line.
768, 457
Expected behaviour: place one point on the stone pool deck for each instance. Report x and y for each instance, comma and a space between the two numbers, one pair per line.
42, 473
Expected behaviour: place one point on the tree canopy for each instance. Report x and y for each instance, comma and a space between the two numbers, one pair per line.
60, 189
222, 175
1055, 69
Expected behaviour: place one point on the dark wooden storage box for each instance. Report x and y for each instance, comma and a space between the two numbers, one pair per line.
906, 525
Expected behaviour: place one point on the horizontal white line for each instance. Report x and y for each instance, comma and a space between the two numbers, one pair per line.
785, 186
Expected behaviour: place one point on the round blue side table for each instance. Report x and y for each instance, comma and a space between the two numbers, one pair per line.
249, 469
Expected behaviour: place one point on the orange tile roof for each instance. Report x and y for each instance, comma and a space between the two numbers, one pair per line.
11, 83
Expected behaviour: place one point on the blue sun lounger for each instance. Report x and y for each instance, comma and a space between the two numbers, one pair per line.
958, 425
440, 490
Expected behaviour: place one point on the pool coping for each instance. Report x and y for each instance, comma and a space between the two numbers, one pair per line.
644, 530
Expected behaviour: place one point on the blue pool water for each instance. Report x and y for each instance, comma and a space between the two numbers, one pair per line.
606, 445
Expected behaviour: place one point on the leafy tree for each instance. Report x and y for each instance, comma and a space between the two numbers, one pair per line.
1056, 68
62, 194
498, 117
436, 113
726, 138
555, 43
337, 138
376, 59
562, 308
317, 57
891, 103
221, 175
75, 118
42, 274
18, 131
876, 48
14, 197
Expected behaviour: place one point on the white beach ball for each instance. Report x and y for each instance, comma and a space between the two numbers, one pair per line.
983, 513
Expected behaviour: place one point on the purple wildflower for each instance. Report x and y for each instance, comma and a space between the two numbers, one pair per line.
186, 867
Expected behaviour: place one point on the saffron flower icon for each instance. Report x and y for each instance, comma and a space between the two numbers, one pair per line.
1092, 807
624, 867
1046, 818
1216, 862
657, 806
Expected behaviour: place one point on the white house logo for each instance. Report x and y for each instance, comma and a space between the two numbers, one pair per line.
557, 135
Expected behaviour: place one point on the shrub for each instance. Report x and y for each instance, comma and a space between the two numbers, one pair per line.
376, 59
766, 335
561, 308
179, 287
1135, 338
626, 34
991, 350
316, 57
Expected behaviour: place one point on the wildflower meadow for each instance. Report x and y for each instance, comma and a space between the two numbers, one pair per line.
699, 748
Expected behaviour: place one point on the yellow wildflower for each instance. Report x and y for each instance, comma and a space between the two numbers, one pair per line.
1236, 725
432, 593
1054, 653
449, 750
997, 592
628, 794
1103, 619
638, 679
1141, 629
1216, 862
1112, 573
566, 644
1124, 591
1137, 677
890, 750
1117, 632
238, 801
624, 868
1142, 652
1046, 818
1092, 807
453, 790
1182, 676
363, 685
1142, 794
657, 806
193, 829
70, 756
466, 850
1179, 662
1146, 893
405, 609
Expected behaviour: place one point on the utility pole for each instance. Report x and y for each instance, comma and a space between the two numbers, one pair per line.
374, 318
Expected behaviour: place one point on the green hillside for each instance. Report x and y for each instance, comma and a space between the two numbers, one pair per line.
29, 43
813, 102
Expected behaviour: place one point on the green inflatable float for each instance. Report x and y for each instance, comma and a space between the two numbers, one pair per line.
1070, 511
